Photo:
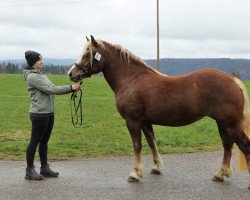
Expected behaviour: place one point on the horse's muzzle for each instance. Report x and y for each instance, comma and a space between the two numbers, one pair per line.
75, 78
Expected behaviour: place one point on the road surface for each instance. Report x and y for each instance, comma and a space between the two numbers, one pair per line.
185, 176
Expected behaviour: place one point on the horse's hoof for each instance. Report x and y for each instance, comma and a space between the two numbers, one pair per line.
218, 179
154, 171
132, 179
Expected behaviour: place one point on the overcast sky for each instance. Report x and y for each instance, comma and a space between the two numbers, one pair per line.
188, 28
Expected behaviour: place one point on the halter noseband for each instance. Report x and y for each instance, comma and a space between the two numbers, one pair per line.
86, 71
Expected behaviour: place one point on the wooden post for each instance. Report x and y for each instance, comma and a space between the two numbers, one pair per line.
158, 40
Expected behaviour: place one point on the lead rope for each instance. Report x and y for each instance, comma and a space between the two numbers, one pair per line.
76, 109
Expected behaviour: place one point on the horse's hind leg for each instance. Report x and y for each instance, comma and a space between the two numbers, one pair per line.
134, 128
243, 142
247, 155
149, 134
225, 169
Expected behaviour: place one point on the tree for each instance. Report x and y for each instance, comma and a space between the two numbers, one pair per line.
236, 74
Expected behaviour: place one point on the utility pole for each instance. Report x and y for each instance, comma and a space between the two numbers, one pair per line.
158, 40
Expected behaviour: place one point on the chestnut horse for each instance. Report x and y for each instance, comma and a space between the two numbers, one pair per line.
145, 97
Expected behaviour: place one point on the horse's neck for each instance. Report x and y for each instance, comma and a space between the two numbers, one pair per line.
118, 74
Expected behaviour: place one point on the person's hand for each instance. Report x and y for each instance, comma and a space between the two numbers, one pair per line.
76, 87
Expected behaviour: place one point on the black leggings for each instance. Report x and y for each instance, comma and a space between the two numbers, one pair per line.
40, 134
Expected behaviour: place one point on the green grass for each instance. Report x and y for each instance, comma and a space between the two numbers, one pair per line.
103, 132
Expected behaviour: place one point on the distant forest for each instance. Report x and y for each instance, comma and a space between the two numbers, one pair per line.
179, 66
11, 68
170, 66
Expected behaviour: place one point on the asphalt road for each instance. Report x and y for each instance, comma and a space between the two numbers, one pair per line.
185, 176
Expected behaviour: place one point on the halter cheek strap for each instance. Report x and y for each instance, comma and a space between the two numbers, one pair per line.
97, 58
86, 71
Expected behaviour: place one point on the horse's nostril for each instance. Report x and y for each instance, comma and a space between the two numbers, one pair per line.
70, 74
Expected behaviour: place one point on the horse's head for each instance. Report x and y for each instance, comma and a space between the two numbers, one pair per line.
91, 61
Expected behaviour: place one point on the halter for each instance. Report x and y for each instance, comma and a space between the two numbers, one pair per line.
97, 58
86, 71
76, 107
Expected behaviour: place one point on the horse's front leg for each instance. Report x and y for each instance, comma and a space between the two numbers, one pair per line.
149, 134
134, 128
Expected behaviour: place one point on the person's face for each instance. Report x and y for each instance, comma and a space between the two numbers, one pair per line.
38, 64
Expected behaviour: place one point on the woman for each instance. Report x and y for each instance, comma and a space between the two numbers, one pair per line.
42, 92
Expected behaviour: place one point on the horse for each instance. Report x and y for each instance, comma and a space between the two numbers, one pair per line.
146, 97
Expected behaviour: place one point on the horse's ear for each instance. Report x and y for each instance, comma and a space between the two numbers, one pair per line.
94, 42
87, 39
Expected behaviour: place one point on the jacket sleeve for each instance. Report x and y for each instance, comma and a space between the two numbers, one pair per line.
45, 85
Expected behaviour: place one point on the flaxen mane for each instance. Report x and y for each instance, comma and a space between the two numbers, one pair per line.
129, 57
124, 53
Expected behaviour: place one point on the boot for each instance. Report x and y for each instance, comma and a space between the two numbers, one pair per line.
47, 172
31, 174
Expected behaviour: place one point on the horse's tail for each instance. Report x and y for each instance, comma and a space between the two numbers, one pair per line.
245, 124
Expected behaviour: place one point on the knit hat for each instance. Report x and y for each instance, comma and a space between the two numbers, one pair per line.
32, 57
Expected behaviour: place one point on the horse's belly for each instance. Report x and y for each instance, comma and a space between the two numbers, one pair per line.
179, 122
174, 120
